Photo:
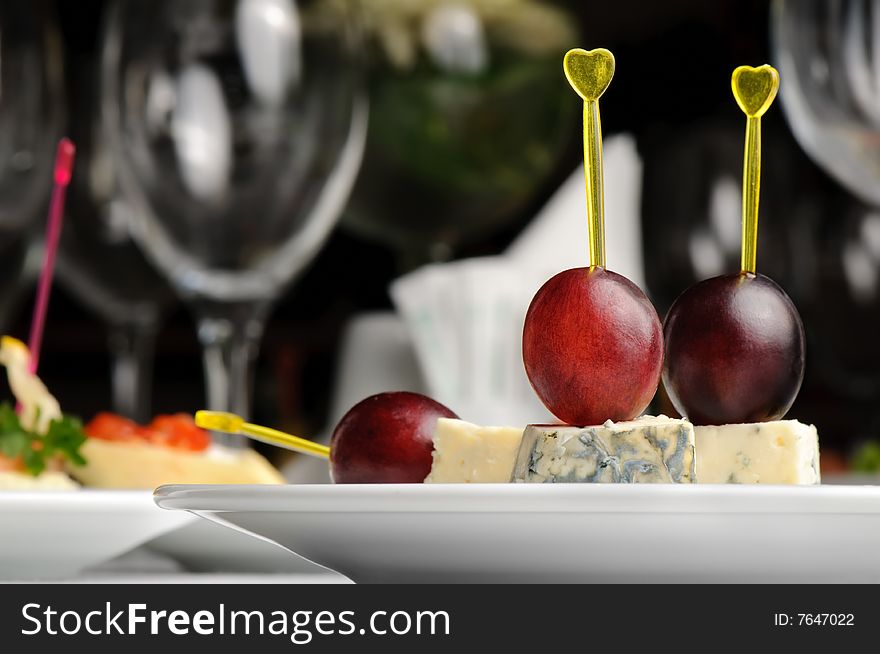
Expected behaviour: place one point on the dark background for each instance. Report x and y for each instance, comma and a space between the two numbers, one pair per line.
672, 91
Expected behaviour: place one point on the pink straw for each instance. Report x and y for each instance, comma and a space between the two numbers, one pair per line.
63, 170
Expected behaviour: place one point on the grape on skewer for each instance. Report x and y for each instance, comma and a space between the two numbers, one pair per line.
592, 341
385, 438
735, 344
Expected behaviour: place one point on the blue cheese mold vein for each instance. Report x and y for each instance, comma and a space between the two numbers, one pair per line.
647, 450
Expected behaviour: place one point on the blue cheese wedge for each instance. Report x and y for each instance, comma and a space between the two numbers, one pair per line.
647, 450
468, 453
776, 452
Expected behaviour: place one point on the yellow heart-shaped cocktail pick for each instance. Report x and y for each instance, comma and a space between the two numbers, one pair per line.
589, 72
754, 90
233, 424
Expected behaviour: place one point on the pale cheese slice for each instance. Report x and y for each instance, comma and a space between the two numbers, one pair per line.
775, 452
112, 464
468, 453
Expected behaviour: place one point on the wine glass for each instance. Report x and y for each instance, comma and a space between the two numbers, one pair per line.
469, 118
99, 262
828, 54
31, 102
237, 129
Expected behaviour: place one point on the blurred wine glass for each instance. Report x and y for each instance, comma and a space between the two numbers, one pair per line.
828, 55
31, 102
237, 131
469, 116
98, 260
825, 245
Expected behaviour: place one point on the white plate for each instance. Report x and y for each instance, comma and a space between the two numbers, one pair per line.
559, 532
54, 535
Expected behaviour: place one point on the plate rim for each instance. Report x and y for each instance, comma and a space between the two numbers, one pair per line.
521, 498
81, 499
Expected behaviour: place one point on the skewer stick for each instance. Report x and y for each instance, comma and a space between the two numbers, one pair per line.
64, 157
754, 90
233, 424
590, 73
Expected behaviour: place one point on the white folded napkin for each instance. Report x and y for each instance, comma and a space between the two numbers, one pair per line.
466, 320
556, 239
466, 317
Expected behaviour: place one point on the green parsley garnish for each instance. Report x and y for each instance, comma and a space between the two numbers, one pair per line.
867, 457
64, 437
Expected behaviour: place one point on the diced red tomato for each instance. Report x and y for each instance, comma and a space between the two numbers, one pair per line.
179, 431
11, 465
176, 431
111, 427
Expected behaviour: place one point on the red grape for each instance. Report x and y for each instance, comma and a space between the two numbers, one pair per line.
592, 347
386, 438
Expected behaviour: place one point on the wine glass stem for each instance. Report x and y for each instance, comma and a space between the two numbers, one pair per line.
230, 346
132, 346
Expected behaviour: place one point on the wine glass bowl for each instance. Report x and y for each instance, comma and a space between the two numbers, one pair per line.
468, 119
827, 55
237, 127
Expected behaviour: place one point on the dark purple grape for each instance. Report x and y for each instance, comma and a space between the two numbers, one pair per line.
734, 351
